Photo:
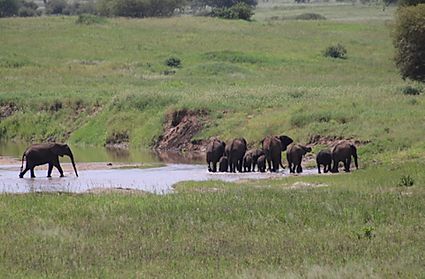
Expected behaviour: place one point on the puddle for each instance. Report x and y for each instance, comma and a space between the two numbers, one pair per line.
155, 180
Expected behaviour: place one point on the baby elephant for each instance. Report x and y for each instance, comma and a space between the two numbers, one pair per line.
247, 162
223, 164
324, 158
294, 155
261, 162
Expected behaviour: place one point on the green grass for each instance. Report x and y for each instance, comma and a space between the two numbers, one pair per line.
356, 225
254, 78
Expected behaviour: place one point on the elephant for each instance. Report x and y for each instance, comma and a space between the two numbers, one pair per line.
261, 163
255, 153
223, 164
235, 152
294, 155
247, 162
215, 151
342, 152
324, 158
273, 147
46, 153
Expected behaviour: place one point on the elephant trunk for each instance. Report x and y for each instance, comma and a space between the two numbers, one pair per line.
73, 163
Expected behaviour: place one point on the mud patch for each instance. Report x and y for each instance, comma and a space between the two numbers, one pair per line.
179, 129
7, 110
117, 190
332, 140
306, 185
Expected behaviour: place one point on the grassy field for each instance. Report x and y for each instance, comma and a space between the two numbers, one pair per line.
363, 225
85, 83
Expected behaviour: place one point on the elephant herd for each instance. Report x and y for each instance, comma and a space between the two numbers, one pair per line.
235, 155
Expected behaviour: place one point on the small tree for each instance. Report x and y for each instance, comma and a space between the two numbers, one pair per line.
409, 41
8, 8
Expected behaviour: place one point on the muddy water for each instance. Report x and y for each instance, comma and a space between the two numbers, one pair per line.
155, 180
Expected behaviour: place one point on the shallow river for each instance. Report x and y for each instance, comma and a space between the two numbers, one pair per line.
156, 180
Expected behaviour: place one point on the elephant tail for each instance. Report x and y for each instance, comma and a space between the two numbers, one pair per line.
281, 164
22, 163
354, 153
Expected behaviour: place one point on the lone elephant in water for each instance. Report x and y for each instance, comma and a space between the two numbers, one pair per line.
215, 151
294, 155
46, 153
235, 151
273, 147
342, 152
324, 158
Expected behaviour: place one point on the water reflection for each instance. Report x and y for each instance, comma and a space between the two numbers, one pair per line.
117, 155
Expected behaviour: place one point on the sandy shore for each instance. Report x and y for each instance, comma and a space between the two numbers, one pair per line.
67, 167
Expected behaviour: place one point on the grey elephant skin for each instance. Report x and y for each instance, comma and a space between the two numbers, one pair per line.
324, 158
342, 152
273, 147
46, 153
252, 156
215, 151
223, 164
294, 156
261, 162
235, 151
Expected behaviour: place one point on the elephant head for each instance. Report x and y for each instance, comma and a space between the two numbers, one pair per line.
285, 141
63, 149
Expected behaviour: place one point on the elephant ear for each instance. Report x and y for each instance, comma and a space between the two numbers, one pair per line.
58, 149
285, 141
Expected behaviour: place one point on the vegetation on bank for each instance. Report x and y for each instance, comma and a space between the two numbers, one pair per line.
88, 83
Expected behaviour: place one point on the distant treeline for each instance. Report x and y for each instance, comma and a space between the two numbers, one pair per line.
130, 8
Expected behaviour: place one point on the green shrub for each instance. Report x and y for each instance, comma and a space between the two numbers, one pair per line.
237, 11
89, 19
174, 62
139, 8
406, 181
409, 41
336, 51
410, 90
55, 6
310, 16
28, 9
8, 8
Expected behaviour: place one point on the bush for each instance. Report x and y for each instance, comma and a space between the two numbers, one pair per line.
55, 6
410, 90
77, 8
410, 2
310, 16
237, 11
28, 9
139, 8
222, 3
89, 19
336, 51
409, 41
8, 8
173, 62
406, 181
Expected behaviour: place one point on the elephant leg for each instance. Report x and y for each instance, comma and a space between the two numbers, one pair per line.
209, 167
335, 166
58, 166
253, 166
240, 162
49, 171
214, 166
32, 172
291, 170
269, 163
318, 168
347, 164
299, 169
21, 175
